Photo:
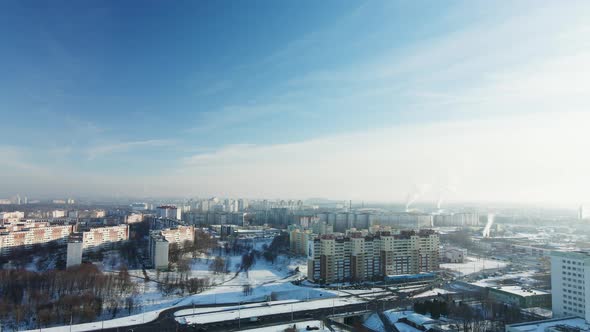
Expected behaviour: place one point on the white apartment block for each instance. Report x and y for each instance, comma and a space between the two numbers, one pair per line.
101, 237
456, 219
158, 249
134, 218
570, 272
10, 217
179, 234
58, 213
169, 212
358, 257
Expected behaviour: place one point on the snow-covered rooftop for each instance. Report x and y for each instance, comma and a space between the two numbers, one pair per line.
434, 292
545, 325
520, 291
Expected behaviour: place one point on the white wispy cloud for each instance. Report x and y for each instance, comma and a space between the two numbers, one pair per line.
18, 160
106, 149
519, 86
234, 115
527, 158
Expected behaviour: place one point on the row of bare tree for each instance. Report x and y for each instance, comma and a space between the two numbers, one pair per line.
78, 294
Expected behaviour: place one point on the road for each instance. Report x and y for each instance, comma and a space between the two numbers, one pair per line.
166, 320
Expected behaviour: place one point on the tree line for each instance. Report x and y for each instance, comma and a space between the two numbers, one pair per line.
78, 294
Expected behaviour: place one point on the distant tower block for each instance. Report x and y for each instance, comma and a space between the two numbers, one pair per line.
74, 253
582, 212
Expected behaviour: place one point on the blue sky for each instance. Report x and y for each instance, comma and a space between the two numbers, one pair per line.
215, 97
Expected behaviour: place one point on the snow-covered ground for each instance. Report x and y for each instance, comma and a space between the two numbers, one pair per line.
264, 278
267, 281
112, 323
473, 265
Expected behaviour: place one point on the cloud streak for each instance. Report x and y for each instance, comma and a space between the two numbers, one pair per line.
107, 149
524, 158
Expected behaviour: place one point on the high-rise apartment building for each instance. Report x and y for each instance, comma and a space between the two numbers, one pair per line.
169, 212
570, 272
358, 257
160, 240
298, 241
242, 204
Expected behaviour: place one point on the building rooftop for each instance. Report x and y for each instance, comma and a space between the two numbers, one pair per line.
572, 254
520, 291
558, 324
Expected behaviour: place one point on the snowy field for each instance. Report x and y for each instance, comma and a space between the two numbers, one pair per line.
267, 281
473, 265
112, 323
264, 278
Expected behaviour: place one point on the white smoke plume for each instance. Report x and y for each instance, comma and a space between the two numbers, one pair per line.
486, 230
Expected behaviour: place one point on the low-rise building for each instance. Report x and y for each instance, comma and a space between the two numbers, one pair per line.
564, 324
520, 296
453, 255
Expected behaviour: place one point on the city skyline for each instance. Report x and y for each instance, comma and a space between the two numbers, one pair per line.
345, 100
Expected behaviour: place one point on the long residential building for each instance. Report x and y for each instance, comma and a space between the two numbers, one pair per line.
10, 217
104, 237
456, 219
358, 257
25, 236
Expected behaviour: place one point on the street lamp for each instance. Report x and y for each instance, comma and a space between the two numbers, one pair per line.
239, 315
333, 307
